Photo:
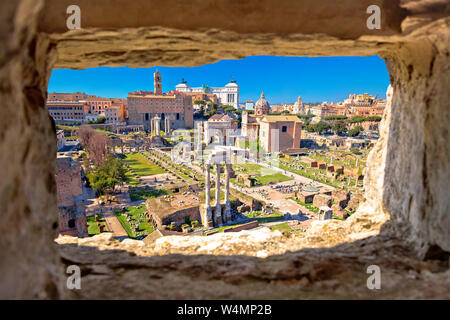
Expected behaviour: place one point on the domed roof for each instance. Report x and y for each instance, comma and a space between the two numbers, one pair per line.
183, 83
299, 102
262, 102
232, 83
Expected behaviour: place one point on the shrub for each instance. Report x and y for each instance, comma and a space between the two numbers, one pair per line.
194, 223
355, 131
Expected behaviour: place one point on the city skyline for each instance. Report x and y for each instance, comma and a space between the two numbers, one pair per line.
282, 79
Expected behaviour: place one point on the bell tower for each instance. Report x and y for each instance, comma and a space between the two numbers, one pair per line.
157, 82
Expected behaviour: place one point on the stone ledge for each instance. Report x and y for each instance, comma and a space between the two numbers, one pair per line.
321, 273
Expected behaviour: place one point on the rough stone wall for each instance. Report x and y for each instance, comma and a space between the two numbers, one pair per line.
417, 168
178, 217
410, 162
29, 264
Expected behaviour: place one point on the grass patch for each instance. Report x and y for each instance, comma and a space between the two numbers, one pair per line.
144, 194
141, 166
272, 178
307, 205
92, 226
136, 218
282, 227
262, 175
266, 218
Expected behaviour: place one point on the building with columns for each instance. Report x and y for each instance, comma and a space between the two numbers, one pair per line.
280, 133
219, 213
226, 95
173, 108
274, 132
250, 122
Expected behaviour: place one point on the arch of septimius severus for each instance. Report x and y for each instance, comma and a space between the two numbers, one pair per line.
404, 223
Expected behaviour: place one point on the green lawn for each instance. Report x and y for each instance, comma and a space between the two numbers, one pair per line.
137, 216
143, 194
272, 178
282, 227
262, 175
286, 229
92, 226
141, 166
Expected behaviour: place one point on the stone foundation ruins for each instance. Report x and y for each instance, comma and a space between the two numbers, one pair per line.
403, 224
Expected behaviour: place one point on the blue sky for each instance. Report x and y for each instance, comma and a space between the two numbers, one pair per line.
283, 79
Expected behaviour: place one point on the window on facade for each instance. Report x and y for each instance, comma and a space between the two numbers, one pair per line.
283, 129
71, 223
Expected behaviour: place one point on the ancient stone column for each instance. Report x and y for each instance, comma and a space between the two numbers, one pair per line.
217, 184
206, 213
207, 186
227, 210
218, 209
157, 127
227, 182
167, 126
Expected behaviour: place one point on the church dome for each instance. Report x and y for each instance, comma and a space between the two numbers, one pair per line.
262, 106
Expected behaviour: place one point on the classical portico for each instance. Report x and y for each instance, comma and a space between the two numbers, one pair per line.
156, 125
219, 213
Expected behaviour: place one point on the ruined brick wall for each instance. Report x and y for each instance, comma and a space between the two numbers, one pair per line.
68, 181
245, 226
178, 216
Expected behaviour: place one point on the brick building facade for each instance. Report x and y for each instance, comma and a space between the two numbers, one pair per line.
174, 106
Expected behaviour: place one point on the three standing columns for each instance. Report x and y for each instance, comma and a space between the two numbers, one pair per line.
214, 215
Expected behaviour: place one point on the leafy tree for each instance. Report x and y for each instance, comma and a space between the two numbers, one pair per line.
339, 127
310, 128
228, 108
213, 109
336, 117
105, 178
306, 116
355, 131
356, 119
374, 118
200, 102
321, 127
